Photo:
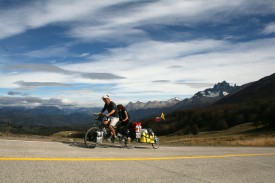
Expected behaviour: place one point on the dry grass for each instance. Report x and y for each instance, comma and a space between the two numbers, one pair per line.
232, 140
256, 141
242, 135
62, 136
68, 134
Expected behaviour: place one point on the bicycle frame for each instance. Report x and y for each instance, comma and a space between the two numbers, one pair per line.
99, 133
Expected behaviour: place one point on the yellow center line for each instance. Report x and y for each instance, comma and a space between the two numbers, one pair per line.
130, 158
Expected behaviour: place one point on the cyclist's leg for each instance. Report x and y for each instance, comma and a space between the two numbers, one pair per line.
118, 126
113, 123
105, 122
124, 127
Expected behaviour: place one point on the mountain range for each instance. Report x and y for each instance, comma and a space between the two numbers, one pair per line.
221, 93
152, 104
140, 110
48, 116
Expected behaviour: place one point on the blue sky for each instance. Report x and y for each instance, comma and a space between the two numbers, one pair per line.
72, 52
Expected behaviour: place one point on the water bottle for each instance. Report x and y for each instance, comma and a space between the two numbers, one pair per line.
99, 133
104, 131
99, 140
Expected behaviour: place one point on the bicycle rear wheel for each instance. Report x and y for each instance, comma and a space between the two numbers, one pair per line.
156, 144
91, 137
130, 143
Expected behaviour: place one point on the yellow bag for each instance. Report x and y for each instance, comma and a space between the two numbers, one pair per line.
146, 138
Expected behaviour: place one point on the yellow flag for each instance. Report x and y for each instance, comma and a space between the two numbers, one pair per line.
162, 116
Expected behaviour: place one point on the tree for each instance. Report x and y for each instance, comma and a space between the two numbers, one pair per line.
222, 125
6, 125
240, 119
195, 129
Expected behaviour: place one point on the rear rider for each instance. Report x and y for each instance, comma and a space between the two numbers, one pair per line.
124, 118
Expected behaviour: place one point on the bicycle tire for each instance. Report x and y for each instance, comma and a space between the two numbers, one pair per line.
91, 137
156, 144
130, 143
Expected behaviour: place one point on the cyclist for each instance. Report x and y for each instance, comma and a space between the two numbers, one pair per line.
124, 118
111, 107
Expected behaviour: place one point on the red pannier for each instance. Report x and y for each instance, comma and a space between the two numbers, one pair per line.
136, 127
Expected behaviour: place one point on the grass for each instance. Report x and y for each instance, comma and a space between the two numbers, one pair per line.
257, 141
62, 136
241, 135
232, 140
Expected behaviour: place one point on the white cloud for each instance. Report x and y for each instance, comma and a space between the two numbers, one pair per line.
128, 23
93, 19
54, 69
10, 80
49, 52
34, 102
199, 61
84, 54
269, 29
40, 13
142, 61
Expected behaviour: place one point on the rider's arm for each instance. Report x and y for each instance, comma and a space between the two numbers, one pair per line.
110, 113
103, 109
126, 116
113, 107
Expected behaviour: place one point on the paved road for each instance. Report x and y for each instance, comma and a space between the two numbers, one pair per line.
33, 161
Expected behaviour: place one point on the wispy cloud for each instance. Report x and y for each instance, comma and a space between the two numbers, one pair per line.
129, 49
30, 85
36, 68
198, 85
33, 102
153, 68
84, 55
35, 14
206, 61
17, 93
269, 29
132, 22
100, 19
161, 81
49, 52
55, 69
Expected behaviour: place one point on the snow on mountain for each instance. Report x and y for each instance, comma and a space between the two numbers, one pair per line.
219, 90
207, 96
225, 93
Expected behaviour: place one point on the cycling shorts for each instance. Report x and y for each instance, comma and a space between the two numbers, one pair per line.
114, 121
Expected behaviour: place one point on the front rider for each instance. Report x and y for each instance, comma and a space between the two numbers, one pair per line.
111, 107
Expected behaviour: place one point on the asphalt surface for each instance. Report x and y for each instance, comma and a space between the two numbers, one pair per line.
36, 161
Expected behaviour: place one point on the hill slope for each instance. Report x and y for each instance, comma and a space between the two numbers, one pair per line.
261, 89
254, 103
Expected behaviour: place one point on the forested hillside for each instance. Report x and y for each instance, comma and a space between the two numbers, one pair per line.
255, 103
216, 118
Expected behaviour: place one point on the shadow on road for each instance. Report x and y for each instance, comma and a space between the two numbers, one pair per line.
103, 145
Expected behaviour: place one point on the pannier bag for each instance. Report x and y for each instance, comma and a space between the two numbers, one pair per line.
136, 127
147, 136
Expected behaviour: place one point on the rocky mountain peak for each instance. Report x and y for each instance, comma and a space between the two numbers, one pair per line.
219, 90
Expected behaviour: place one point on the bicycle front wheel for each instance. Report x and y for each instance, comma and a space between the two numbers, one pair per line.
91, 137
